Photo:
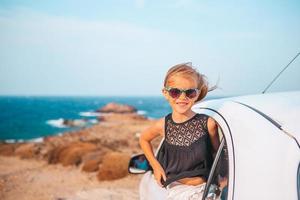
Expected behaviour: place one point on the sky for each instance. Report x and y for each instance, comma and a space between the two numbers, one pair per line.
125, 47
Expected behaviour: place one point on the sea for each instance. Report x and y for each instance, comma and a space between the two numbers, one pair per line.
24, 118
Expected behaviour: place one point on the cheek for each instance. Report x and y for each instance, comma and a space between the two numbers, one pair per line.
170, 100
193, 101
166, 96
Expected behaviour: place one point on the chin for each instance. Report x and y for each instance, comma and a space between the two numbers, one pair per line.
182, 110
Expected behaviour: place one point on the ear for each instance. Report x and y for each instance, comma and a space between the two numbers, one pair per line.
202, 93
198, 95
165, 93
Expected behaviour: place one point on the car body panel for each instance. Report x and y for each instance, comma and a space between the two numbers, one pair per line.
263, 160
283, 107
149, 189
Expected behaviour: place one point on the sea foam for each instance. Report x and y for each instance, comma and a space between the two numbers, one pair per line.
58, 123
89, 114
141, 112
34, 140
93, 121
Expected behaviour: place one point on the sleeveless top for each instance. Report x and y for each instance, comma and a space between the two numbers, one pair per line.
186, 150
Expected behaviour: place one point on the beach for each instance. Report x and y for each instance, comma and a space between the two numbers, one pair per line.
31, 179
89, 163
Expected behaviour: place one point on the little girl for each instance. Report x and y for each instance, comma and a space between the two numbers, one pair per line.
190, 139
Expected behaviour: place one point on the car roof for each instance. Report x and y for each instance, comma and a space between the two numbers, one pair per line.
282, 107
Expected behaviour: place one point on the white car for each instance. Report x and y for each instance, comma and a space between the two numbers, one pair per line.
259, 154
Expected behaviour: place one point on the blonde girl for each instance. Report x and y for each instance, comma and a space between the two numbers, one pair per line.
190, 139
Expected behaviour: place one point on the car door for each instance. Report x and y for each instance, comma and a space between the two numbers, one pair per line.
221, 179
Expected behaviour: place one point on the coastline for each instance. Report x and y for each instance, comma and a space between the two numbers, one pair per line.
90, 163
25, 118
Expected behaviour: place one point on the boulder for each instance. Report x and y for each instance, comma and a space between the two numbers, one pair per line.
7, 149
75, 122
117, 108
53, 154
123, 117
91, 165
73, 154
70, 154
114, 166
27, 150
92, 160
95, 155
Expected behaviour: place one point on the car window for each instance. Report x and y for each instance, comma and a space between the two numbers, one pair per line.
217, 183
298, 182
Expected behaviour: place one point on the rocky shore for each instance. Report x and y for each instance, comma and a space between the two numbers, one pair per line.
90, 163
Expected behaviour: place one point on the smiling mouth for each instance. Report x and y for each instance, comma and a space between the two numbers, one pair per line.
182, 103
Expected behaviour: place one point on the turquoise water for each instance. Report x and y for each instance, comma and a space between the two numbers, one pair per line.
34, 117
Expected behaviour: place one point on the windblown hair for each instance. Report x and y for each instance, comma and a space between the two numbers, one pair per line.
187, 70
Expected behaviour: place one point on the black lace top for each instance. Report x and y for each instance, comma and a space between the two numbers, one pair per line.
186, 150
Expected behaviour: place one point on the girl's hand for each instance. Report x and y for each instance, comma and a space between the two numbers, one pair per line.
159, 174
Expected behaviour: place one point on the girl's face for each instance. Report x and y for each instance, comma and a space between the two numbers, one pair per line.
182, 104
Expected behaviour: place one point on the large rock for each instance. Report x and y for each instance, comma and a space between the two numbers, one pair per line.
70, 154
123, 117
27, 150
114, 166
53, 154
92, 160
91, 165
75, 122
117, 108
7, 149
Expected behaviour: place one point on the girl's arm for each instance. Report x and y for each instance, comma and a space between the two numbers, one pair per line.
212, 127
145, 141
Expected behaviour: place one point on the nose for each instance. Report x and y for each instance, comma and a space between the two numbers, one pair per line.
182, 96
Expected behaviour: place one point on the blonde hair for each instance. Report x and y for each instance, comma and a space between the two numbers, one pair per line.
187, 70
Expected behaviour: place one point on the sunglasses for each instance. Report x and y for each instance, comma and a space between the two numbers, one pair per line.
175, 92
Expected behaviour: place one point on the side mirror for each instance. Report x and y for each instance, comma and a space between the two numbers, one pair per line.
139, 164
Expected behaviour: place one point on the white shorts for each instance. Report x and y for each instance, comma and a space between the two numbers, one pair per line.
179, 191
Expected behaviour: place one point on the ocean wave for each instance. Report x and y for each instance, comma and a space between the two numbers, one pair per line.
35, 140
89, 114
67, 123
58, 123
93, 121
141, 112
13, 140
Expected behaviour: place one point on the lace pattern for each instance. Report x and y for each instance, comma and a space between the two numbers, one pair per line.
186, 133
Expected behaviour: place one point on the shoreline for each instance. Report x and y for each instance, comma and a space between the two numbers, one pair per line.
80, 164
90, 116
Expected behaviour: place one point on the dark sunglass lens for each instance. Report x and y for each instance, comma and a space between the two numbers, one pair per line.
174, 92
191, 93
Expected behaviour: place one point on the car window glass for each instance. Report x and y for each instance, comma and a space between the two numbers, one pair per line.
298, 182
217, 186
